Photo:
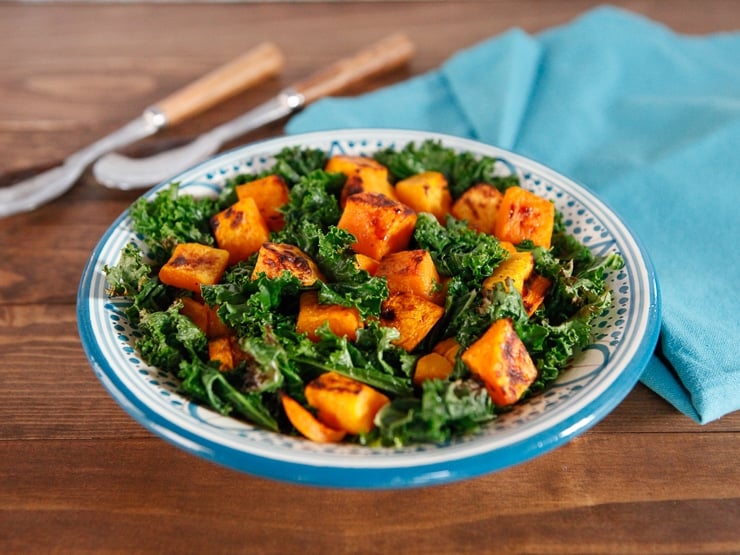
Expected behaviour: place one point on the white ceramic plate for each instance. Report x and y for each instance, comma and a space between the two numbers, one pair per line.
598, 380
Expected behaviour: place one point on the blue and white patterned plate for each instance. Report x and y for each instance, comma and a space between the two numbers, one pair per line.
597, 381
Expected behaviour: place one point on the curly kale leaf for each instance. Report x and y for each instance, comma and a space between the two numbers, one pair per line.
579, 278
468, 170
444, 410
252, 305
128, 276
209, 385
133, 278
171, 218
413, 159
371, 359
458, 250
314, 199
462, 170
347, 284
293, 163
168, 338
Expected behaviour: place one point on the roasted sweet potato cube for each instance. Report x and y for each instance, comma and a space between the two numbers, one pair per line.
370, 265
518, 267
524, 215
219, 350
432, 366
204, 316
216, 326
380, 225
448, 348
275, 258
508, 246
412, 316
501, 361
413, 272
534, 292
478, 206
269, 193
307, 424
426, 192
240, 229
192, 265
363, 175
343, 403
196, 311
226, 350
342, 320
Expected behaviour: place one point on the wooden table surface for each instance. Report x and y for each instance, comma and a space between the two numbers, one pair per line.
78, 475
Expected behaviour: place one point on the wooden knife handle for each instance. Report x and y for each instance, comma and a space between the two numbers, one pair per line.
385, 55
249, 69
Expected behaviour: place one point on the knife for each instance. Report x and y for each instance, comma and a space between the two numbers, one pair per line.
254, 66
120, 172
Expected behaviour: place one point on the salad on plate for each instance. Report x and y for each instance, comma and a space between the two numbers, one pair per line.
400, 298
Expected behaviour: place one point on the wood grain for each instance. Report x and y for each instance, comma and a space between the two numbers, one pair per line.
79, 475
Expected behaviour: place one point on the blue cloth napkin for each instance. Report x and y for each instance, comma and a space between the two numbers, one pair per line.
649, 120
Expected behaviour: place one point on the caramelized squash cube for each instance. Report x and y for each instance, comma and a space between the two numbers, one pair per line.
432, 366
363, 175
413, 272
478, 206
205, 317
269, 193
534, 292
219, 350
240, 229
226, 350
307, 424
364, 262
192, 265
508, 246
426, 192
518, 267
342, 320
524, 215
448, 348
343, 403
275, 258
196, 311
501, 361
380, 225
413, 317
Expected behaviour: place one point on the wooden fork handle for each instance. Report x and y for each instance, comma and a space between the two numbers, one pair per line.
381, 57
251, 68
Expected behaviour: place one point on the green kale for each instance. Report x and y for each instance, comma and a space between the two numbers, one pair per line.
128, 276
133, 278
253, 305
171, 218
314, 199
477, 310
347, 284
293, 163
462, 170
458, 250
209, 385
168, 338
444, 410
372, 359
412, 159
468, 170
